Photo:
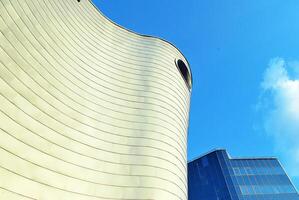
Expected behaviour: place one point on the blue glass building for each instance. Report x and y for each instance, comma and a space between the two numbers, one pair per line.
217, 176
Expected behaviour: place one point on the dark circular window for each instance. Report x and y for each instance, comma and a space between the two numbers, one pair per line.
184, 72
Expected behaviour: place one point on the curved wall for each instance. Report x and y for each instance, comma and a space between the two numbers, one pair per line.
88, 110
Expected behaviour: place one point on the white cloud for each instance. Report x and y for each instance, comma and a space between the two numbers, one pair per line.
280, 102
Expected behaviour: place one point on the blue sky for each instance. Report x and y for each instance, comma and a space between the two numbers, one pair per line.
244, 57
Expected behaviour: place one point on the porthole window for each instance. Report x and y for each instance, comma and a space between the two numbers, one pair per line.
182, 67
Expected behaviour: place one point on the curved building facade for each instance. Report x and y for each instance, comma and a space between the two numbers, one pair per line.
88, 110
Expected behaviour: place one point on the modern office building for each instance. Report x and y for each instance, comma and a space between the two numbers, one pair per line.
88, 109
217, 176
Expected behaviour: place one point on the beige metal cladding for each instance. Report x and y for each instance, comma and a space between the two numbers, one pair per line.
88, 110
